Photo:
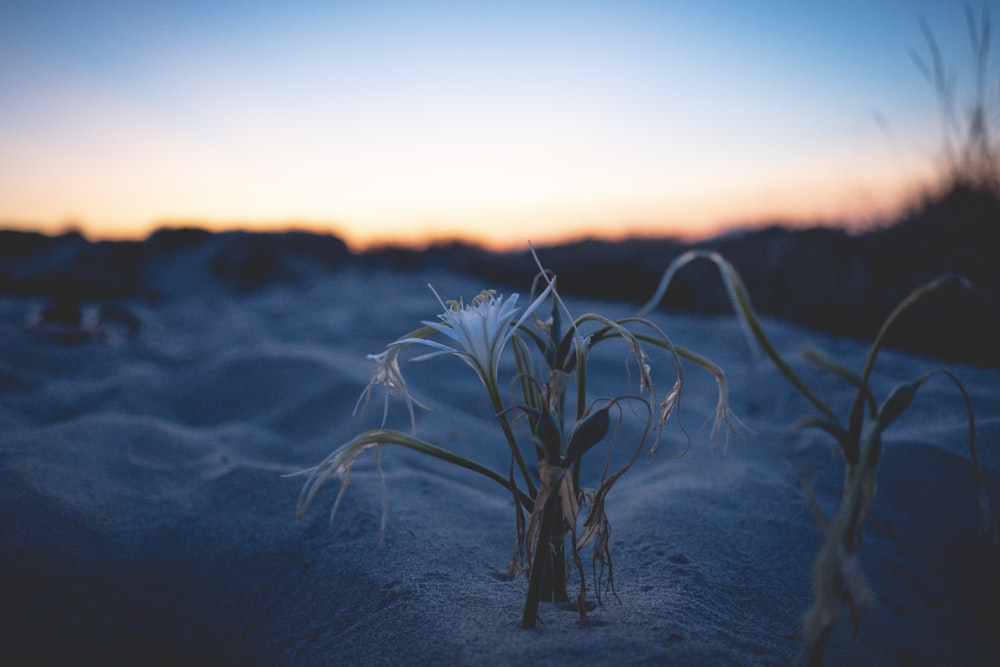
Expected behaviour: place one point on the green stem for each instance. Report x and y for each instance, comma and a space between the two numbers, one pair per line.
548, 568
750, 317
508, 432
915, 296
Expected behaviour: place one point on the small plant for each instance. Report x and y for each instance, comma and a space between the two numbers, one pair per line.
838, 583
549, 418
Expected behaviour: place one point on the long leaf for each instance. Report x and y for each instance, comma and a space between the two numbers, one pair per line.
341, 461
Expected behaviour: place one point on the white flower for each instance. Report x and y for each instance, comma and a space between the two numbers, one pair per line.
480, 331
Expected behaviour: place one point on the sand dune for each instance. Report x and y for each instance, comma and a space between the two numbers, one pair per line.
147, 518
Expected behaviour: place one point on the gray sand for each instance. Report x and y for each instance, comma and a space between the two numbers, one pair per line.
146, 517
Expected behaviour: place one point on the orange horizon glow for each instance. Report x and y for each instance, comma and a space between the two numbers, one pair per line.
853, 208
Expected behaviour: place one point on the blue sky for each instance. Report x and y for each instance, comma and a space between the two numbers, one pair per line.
501, 122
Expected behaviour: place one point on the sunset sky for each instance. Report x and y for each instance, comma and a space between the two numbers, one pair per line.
500, 122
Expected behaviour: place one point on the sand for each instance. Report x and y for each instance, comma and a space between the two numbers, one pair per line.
147, 515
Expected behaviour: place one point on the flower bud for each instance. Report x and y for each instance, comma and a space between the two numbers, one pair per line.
587, 433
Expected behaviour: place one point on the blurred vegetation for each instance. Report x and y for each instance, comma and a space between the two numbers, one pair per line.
970, 154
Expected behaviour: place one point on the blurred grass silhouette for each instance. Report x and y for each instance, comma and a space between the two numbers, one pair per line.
969, 151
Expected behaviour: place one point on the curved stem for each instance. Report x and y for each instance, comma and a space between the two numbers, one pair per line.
915, 296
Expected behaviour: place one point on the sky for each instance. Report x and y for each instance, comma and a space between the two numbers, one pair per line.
496, 122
